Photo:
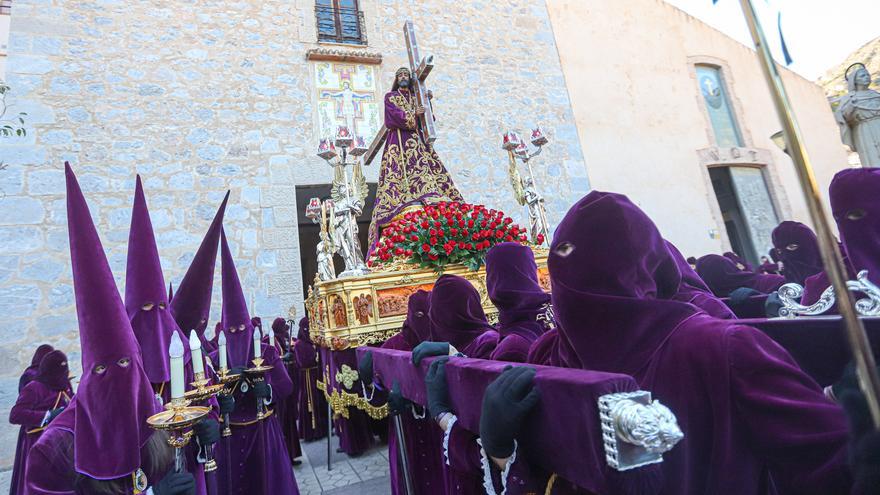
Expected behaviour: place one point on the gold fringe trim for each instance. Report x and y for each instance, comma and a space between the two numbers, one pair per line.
340, 401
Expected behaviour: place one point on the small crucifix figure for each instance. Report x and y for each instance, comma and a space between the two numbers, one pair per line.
411, 174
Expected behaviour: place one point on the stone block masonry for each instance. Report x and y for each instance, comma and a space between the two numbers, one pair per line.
199, 97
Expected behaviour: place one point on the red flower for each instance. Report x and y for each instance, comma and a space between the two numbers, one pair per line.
508, 238
433, 257
508, 220
426, 248
453, 231
540, 239
438, 224
433, 232
449, 221
425, 224
433, 241
414, 238
468, 246
461, 245
483, 224
470, 223
408, 252
398, 251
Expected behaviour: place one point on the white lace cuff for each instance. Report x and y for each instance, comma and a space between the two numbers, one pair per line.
453, 418
487, 470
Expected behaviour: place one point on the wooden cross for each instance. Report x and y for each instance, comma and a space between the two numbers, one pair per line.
419, 68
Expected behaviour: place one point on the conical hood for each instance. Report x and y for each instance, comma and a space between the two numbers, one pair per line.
114, 397
170, 291
236, 321
191, 305
145, 299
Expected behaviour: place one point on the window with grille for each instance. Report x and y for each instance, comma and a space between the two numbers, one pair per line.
340, 21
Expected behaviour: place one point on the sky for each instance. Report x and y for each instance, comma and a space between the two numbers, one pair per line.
819, 33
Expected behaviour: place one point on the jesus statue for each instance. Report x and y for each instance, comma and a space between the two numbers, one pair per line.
411, 174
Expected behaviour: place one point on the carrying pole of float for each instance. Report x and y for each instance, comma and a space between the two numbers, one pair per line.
329, 431
831, 258
401, 453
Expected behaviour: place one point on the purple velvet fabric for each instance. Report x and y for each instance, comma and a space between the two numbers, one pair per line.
743, 403
457, 317
563, 433
798, 249
114, 397
312, 404
288, 409
512, 284
694, 290
235, 321
424, 439
48, 391
191, 306
739, 261
355, 432
145, 285
854, 204
723, 277
31, 371
411, 172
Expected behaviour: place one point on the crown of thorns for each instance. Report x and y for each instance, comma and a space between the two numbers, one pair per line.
402, 70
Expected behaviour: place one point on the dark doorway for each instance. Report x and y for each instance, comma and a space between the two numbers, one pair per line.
734, 221
309, 232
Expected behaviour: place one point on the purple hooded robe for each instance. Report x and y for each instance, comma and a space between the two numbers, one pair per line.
747, 410
723, 277
288, 409
424, 440
50, 389
512, 284
255, 459
101, 432
693, 290
312, 404
854, 204
31, 371
798, 249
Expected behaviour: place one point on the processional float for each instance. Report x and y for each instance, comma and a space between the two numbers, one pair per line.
367, 305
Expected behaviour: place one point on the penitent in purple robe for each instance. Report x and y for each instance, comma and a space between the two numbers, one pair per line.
49, 390
312, 404
695, 291
411, 171
101, 432
798, 248
288, 409
854, 203
523, 306
745, 407
723, 277
424, 439
31, 371
254, 459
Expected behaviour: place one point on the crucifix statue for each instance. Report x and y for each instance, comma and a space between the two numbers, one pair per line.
411, 174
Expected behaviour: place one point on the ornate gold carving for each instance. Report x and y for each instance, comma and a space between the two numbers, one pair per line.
340, 318
340, 401
363, 308
339, 55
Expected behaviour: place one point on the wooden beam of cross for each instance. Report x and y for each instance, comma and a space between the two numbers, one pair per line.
419, 67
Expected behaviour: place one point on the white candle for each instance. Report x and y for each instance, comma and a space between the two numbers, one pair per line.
221, 342
195, 347
175, 352
271, 334
257, 338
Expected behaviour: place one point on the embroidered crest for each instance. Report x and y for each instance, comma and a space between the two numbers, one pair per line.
346, 376
139, 481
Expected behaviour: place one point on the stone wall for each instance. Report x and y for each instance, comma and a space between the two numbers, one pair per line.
203, 96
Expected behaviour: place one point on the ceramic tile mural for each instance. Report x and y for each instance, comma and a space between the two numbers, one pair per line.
346, 95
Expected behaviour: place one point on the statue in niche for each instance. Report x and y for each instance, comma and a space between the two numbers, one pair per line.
858, 116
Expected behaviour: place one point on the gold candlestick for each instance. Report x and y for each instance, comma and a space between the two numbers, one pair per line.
257, 374
177, 419
229, 381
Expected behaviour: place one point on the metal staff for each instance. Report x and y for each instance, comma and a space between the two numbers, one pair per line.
401, 453
858, 340
329, 432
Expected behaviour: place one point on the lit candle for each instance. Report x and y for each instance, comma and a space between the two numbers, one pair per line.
195, 348
257, 338
221, 342
175, 352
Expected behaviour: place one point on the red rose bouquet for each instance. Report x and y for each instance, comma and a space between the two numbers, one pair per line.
444, 234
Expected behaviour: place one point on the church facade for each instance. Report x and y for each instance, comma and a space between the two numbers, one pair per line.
203, 97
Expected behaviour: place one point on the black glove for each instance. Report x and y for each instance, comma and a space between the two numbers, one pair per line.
365, 368
864, 443
740, 295
506, 403
438, 391
772, 305
53, 413
207, 431
261, 389
227, 403
428, 349
175, 484
396, 403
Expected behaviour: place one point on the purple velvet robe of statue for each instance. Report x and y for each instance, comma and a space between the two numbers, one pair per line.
411, 171
312, 404
746, 408
29, 410
254, 459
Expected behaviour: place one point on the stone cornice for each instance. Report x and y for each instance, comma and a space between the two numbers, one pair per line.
340, 55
